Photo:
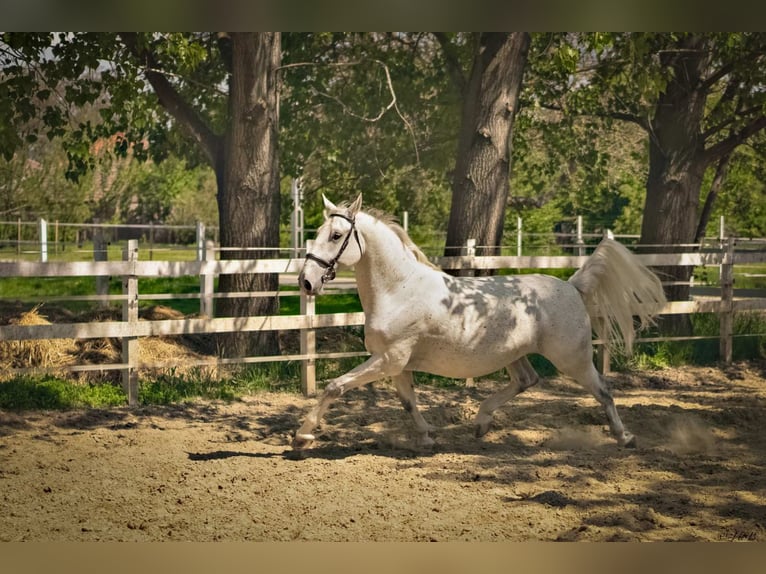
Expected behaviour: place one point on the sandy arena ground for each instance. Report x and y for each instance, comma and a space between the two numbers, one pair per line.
210, 471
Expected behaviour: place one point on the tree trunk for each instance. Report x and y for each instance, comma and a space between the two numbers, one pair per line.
480, 181
677, 164
248, 186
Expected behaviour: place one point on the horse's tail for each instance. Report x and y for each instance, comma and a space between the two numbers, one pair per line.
615, 286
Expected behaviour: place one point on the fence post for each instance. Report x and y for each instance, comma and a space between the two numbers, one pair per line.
726, 314
100, 253
130, 316
207, 282
308, 343
721, 229
151, 241
42, 226
518, 236
200, 241
580, 242
470, 247
297, 223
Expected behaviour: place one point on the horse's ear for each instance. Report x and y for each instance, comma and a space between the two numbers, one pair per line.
356, 206
329, 206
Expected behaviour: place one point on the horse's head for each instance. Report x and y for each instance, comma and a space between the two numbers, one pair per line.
337, 243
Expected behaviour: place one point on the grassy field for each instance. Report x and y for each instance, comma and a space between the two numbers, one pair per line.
84, 252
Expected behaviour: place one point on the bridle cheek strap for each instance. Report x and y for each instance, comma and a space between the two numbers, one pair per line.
329, 266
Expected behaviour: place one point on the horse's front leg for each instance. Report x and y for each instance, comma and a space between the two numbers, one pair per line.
374, 368
406, 392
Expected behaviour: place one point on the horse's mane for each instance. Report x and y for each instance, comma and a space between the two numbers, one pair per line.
392, 224
406, 240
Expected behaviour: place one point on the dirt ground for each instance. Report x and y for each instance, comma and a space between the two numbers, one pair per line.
208, 471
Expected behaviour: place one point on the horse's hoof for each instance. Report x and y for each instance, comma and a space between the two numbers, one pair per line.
302, 441
425, 442
481, 424
629, 442
295, 454
480, 430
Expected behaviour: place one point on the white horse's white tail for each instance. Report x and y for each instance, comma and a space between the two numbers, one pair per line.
616, 286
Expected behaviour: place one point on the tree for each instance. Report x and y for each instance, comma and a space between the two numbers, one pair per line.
712, 103
221, 91
489, 92
697, 96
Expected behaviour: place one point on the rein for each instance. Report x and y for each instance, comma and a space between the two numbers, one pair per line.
329, 274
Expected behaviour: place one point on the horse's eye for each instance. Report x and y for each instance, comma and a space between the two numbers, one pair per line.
336, 236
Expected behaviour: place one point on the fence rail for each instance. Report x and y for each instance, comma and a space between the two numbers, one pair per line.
130, 330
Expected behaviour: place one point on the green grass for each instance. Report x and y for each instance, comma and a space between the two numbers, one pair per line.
53, 393
38, 289
84, 252
749, 343
47, 392
335, 303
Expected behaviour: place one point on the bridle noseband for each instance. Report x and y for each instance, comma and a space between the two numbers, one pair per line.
329, 266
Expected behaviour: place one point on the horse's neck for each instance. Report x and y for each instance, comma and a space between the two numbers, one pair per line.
386, 264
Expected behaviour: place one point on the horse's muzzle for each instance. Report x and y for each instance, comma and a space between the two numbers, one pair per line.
308, 287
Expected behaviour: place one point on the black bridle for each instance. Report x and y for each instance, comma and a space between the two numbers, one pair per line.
329, 266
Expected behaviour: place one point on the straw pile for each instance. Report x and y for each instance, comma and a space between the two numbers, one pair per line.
176, 353
36, 353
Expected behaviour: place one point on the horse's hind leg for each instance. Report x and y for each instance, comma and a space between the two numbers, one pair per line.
406, 392
590, 378
523, 376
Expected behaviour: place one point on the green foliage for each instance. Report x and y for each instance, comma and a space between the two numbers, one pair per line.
171, 387
749, 343
741, 200
90, 87
78, 105
341, 133
32, 185
612, 82
280, 377
52, 393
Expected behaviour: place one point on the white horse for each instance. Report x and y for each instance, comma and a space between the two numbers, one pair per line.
419, 318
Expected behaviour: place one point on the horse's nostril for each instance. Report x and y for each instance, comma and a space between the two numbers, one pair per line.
307, 285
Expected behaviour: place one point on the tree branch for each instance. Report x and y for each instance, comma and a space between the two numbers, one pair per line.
715, 187
346, 110
726, 146
622, 116
715, 76
172, 101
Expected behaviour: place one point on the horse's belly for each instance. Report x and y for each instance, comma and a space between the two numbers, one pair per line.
457, 367
456, 359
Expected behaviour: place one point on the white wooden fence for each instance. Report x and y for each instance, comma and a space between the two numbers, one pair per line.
130, 330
